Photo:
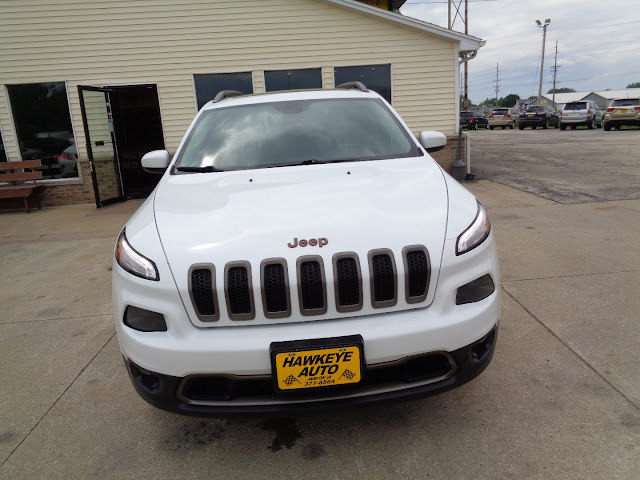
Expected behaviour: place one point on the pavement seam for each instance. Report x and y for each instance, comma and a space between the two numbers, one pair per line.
580, 357
553, 277
57, 400
38, 320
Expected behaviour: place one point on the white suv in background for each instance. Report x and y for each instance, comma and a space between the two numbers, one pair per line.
301, 251
582, 112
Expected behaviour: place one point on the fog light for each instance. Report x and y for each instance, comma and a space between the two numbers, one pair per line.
144, 320
474, 291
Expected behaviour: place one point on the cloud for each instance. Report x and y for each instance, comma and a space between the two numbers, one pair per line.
598, 44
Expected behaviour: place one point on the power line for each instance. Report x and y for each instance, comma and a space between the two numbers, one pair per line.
595, 26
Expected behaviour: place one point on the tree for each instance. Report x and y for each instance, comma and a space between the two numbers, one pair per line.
508, 101
562, 90
634, 85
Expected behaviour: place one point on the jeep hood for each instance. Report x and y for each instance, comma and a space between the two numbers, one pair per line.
252, 215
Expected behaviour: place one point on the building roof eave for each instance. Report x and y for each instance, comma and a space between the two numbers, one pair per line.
467, 43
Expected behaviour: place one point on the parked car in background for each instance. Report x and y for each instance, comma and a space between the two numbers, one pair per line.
472, 120
584, 112
538, 116
621, 112
503, 117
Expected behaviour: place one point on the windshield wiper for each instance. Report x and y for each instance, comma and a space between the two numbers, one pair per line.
311, 161
206, 169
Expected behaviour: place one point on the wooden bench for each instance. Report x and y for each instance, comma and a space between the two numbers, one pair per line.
20, 183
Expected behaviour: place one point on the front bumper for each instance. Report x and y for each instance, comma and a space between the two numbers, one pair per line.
230, 397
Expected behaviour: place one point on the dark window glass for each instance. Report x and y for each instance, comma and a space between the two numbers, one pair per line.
43, 124
375, 77
576, 106
209, 84
3, 155
293, 79
290, 133
625, 102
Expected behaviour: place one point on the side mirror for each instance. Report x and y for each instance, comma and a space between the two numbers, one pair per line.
156, 161
432, 141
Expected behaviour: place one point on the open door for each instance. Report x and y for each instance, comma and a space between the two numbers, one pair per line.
101, 146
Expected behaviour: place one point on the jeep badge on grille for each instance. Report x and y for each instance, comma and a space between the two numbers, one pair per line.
312, 242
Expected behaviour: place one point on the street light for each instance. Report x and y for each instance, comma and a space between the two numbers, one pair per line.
547, 21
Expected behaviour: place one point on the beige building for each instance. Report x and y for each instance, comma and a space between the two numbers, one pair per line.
88, 87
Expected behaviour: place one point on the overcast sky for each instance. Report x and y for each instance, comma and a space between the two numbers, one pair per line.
598, 43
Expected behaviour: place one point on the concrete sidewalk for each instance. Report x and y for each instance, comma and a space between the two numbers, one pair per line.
560, 400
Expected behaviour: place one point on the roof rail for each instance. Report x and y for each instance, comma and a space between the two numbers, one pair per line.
357, 85
222, 94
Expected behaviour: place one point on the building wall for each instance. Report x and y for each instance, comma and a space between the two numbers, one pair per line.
164, 42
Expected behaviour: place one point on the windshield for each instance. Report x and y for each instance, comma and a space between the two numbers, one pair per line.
625, 102
576, 106
294, 132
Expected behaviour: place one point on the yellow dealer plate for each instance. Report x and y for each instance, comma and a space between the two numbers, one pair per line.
320, 367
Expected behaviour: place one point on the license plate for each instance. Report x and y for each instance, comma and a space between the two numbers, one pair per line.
317, 363
530, 115
624, 110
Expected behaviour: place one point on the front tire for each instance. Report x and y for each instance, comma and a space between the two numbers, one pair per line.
521, 127
563, 127
491, 127
512, 126
591, 124
607, 128
545, 125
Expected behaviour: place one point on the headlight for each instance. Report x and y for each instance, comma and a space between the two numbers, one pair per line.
475, 234
133, 262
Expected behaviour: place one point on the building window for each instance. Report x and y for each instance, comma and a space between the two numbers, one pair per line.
209, 84
43, 125
375, 77
293, 79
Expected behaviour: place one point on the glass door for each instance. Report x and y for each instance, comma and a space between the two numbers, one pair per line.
101, 146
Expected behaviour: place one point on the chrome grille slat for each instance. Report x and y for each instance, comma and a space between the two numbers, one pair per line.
384, 284
202, 289
275, 288
239, 291
347, 281
311, 285
417, 273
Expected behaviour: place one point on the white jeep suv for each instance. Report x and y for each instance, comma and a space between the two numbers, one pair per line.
302, 251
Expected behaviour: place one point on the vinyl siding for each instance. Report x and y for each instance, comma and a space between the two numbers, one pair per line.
164, 42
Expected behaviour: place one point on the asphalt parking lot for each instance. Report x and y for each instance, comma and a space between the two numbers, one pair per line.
561, 399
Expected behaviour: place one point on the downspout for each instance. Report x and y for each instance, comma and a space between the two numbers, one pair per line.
465, 56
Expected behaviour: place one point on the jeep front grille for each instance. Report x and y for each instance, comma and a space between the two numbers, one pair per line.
310, 279
275, 288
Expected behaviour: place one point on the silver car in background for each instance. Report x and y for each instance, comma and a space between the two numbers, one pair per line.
503, 117
583, 112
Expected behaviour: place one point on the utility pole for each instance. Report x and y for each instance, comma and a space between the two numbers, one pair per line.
450, 23
544, 38
555, 74
497, 84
